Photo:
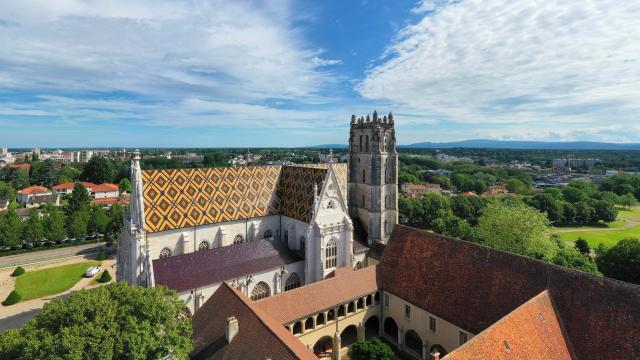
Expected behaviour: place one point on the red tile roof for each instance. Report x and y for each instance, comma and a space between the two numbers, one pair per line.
188, 271
106, 187
70, 185
259, 335
25, 167
122, 200
532, 331
34, 189
473, 287
298, 303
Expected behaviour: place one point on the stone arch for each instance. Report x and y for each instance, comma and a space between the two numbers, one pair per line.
203, 246
331, 315
360, 304
260, 291
293, 281
348, 336
439, 348
323, 347
351, 307
413, 341
297, 328
308, 324
320, 319
369, 301
372, 327
165, 253
341, 310
391, 329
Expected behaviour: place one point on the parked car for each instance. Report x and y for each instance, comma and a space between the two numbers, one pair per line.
92, 271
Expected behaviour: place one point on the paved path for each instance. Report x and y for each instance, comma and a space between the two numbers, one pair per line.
48, 255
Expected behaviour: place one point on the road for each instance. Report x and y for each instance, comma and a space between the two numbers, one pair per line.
16, 321
48, 255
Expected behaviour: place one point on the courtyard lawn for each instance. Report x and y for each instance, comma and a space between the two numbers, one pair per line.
627, 225
51, 281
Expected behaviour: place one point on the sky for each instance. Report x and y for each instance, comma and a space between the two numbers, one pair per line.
252, 73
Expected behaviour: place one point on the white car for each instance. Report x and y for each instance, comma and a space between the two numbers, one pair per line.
92, 271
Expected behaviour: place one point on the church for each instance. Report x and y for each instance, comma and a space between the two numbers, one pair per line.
301, 262
261, 229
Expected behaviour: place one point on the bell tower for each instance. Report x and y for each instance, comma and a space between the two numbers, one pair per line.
373, 175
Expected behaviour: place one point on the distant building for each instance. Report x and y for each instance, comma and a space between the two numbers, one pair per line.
67, 188
565, 165
187, 158
497, 189
105, 191
35, 196
450, 158
419, 190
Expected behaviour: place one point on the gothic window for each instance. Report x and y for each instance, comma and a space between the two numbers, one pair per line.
331, 254
302, 244
293, 281
364, 177
238, 239
366, 143
203, 246
360, 144
260, 291
268, 234
165, 253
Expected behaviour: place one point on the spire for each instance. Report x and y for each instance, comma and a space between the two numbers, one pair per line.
390, 118
353, 119
315, 199
375, 116
368, 118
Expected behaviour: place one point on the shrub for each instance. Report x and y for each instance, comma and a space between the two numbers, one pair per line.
13, 298
374, 349
18, 271
102, 256
105, 278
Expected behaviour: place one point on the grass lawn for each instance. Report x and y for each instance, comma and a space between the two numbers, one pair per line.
51, 281
607, 237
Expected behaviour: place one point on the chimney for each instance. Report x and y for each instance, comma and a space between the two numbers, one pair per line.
231, 329
435, 355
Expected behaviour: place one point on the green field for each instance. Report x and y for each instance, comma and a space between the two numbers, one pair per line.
628, 224
51, 281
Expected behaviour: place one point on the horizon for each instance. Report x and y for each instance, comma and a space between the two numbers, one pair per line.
259, 74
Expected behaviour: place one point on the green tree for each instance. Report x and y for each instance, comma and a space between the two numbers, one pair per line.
78, 223
98, 170
10, 228
584, 213
622, 261
453, 226
80, 198
582, 246
628, 200
516, 186
545, 202
124, 185
435, 206
98, 220
573, 195
19, 179
215, 158
69, 174
371, 350
116, 321
7, 192
570, 257
54, 225
45, 174
605, 210
516, 228
34, 227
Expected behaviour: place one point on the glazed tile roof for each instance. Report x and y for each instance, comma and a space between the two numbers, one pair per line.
298, 303
259, 335
473, 287
532, 331
188, 271
177, 198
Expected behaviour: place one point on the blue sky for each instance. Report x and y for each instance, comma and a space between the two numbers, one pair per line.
209, 73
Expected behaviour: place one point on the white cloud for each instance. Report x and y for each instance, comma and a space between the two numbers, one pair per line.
225, 50
530, 65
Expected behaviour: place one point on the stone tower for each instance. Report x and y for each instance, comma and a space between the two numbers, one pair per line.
373, 175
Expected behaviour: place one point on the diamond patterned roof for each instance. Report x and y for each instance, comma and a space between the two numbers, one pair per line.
177, 198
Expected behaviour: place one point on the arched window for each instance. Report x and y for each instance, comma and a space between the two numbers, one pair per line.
165, 253
363, 201
268, 234
302, 244
364, 176
260, 291
360, 144
238, 239
293, 281
203, 246
366, 143
331, 254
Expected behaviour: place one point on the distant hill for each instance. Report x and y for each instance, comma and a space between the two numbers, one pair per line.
543, 145
330, 146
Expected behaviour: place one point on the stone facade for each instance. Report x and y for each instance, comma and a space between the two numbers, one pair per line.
373, 175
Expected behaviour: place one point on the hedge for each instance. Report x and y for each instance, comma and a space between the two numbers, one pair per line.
105, 278
13, 298
18, 271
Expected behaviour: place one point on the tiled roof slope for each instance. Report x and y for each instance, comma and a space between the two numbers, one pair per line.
188, 271
473, 286
259, 335
530, 332
298, 303
177, 198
